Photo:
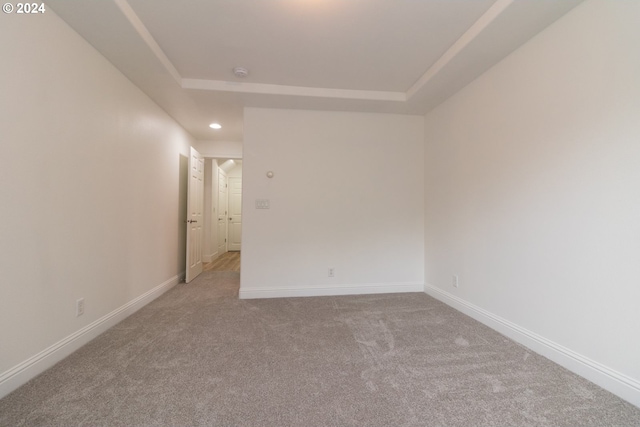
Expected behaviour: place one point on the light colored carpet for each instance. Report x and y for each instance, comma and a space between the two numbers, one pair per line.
198, 356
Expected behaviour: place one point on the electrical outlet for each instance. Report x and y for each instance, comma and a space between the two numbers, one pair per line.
332, 272
454, 281
80, 307
263, 204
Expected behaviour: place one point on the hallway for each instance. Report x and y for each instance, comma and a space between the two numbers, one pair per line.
229, 261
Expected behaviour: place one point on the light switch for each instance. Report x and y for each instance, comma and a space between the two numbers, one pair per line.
262, 204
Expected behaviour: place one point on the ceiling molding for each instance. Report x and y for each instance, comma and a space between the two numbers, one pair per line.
144, 33
480, 25
269, 89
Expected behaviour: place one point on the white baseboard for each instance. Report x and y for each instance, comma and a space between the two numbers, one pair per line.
617, 383
35, 365
329, 290
210, 257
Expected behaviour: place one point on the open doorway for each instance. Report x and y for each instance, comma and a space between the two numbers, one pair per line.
229, 261
223, 205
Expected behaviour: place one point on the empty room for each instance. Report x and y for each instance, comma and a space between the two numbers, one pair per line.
320, 213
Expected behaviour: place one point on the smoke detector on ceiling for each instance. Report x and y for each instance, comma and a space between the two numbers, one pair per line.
240, 72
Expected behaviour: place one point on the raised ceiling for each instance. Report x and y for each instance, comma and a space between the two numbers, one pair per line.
340, 44
401, 56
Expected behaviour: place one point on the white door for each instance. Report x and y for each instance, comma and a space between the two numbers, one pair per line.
235, 213
195, 219
222, 212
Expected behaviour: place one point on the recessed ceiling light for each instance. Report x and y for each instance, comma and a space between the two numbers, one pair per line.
215, 126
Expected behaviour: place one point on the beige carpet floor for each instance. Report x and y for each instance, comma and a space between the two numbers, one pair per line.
198, 356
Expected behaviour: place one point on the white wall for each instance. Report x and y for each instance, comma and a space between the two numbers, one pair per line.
347, 193
236, 171
220, 149
92, 191
533, 191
